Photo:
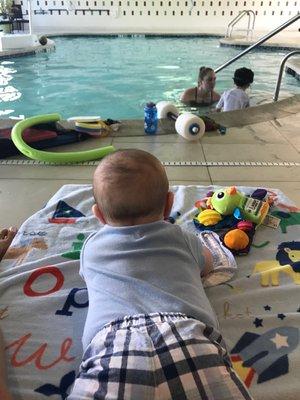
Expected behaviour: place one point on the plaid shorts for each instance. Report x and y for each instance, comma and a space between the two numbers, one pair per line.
157, 356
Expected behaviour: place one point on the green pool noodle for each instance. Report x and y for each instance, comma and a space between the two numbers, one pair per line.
51, 157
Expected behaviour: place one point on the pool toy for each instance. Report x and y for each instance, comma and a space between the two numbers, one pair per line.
85, 118
94, 128
233, 215
67, 157
187, 125
187, 121
236, 239
209, 217
230, 201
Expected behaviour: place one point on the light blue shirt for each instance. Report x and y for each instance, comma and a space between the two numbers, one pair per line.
146, 268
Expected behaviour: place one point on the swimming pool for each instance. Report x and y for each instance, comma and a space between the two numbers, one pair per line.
115, 76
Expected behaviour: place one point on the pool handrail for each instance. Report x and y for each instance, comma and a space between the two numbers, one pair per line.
282, 64
235, 20
259, 41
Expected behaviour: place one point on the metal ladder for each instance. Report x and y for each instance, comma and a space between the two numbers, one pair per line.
282, 64
235, 20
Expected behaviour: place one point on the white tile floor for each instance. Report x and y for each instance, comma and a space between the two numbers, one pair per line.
24, 189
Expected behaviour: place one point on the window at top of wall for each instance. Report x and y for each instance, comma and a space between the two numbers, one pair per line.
153, 3
136, 3
270, 3
245, 3
161, 3
37, 3
281, 12
236, 3
219, 3
206, 12
46, 3
253, 3
228, 3
211, 3
231, 12
86, 3
223, 12
120, 3
95, 3
287, 3
54, 3
194, 4
186, 3
261, 3
177, 3
156, 12
128, 3
215, 12
144, 4
170, 3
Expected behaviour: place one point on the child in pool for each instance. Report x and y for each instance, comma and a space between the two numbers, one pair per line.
236, 98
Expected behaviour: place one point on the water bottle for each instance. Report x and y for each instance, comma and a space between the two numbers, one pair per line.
151, 121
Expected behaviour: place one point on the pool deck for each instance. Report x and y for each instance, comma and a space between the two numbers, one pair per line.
270, 133
283, 40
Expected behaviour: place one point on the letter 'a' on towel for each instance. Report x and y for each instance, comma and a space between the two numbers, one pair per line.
224, 264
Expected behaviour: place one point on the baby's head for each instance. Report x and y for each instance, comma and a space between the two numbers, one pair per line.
131, 188
243, 77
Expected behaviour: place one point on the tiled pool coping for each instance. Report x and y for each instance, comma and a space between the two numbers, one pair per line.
26, 51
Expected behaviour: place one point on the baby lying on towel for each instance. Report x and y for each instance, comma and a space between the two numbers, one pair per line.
150, 331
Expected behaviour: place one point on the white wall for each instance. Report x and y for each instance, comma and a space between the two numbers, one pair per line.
156, 16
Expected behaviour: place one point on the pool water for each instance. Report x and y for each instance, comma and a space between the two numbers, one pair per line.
115, 76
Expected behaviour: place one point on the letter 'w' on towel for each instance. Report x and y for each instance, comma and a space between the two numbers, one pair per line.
224, 265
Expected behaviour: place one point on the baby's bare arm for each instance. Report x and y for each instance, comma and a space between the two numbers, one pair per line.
208, 265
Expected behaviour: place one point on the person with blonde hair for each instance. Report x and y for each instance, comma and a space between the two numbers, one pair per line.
203, 94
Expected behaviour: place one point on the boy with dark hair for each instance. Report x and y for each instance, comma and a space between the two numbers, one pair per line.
236, 98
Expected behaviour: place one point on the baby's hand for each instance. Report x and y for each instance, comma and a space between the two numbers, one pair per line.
6, 237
